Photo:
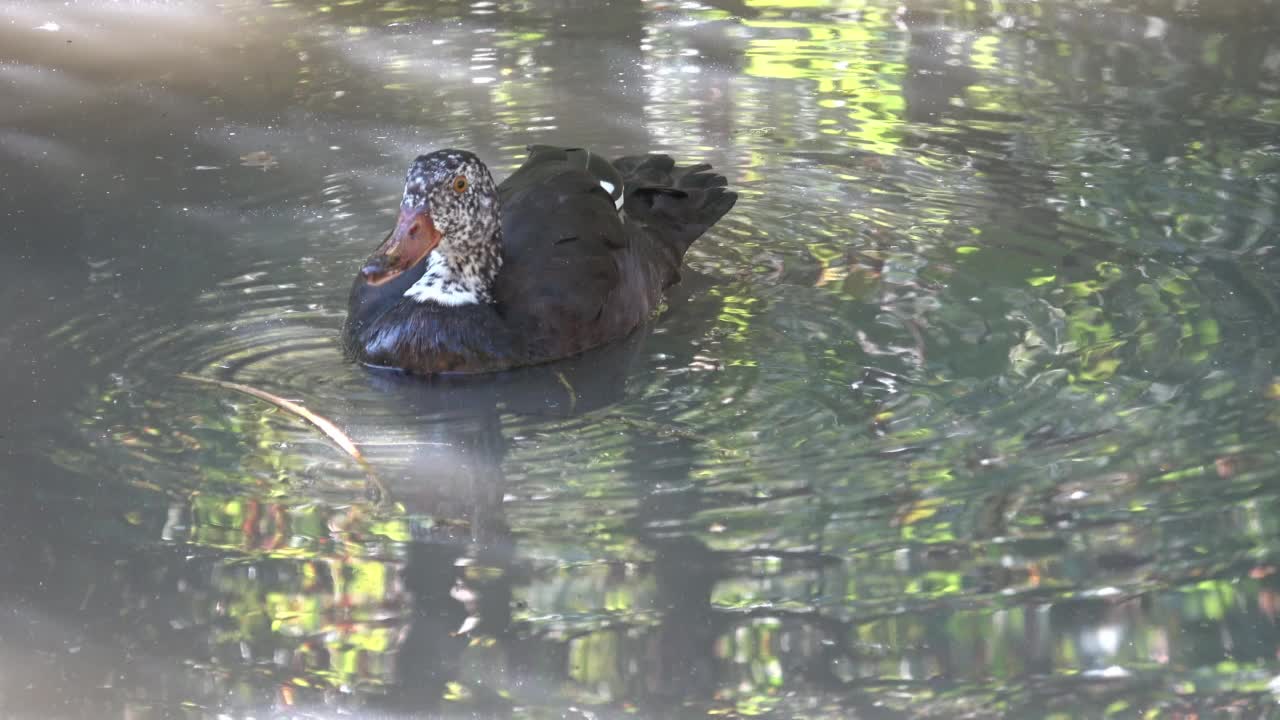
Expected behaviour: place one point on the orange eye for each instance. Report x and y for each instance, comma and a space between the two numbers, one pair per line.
460, 183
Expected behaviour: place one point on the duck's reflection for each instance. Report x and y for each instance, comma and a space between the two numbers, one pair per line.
443, 467
448, 477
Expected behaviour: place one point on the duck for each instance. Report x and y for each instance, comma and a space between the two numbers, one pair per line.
571, 252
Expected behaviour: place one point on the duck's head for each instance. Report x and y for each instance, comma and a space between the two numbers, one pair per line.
446, 247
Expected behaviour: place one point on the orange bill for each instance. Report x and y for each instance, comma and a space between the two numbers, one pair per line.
413, 238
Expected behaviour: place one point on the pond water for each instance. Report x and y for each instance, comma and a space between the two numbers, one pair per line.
970, 407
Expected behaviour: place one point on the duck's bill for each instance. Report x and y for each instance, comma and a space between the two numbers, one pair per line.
413, 238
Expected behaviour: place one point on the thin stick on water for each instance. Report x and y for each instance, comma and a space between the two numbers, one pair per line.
326, 426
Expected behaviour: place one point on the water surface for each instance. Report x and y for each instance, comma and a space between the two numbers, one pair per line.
969, 408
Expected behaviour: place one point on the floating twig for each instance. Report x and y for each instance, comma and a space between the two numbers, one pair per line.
326, 426
573, 396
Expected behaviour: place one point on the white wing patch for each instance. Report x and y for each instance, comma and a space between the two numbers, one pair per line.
608, 187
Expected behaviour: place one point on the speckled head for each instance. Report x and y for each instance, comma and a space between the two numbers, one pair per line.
449, 220
449, 182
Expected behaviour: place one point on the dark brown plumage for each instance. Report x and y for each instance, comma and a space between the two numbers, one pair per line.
568, 253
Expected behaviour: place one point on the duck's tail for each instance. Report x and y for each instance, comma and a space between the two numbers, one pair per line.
680, 203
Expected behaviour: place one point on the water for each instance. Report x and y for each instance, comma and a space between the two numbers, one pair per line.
968, 409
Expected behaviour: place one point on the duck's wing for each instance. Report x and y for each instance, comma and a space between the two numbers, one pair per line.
590, 245
600, 170
562, 234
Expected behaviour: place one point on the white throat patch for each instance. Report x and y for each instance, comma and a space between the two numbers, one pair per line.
438, 285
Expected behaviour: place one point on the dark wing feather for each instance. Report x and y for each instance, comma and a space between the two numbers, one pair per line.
603, 172
575, 275
561, 234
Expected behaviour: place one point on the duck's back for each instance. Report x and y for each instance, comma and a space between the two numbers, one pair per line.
590, 245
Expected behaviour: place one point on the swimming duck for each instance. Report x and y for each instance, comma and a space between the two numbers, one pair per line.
570, 252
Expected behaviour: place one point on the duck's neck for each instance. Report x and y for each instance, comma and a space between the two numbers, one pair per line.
461, 271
